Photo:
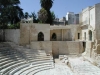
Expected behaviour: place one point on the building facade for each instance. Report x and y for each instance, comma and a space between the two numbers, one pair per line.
89, 19
72, 18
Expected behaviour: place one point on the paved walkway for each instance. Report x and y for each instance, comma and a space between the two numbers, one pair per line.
81, 67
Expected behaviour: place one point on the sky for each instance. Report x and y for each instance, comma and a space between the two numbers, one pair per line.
60, 7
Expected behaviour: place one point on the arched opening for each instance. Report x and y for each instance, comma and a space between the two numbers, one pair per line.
40, 36
90, 35
54, 37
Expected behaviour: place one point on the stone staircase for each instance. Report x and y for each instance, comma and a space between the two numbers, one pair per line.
17, 60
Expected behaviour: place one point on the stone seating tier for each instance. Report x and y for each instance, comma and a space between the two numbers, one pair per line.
13, 60
22, 69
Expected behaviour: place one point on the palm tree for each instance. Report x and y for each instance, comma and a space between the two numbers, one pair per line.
47, 4
34, 17
26, 15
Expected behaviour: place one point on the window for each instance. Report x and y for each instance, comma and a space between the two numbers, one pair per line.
54, 37
40, 36
90, 35
78, 35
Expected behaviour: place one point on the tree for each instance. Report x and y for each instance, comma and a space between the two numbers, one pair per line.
10, 12
42, 15
47, 4
34, 17
17, 14
26, 15
53, 16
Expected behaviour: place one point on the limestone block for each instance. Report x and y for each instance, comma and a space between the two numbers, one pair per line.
63, 60
61, 57
66, 62
65, 56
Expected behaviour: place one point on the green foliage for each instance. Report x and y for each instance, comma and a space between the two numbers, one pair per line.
14, 26
42, 15
10, 12
34, 17
53, 15
47, 4
26, 15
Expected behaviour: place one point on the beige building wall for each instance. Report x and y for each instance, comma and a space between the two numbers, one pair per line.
29, 32
97, 21
92, 17
66, 33
85, 16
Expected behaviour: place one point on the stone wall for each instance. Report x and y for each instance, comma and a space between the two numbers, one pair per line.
29, 32
11, 35
45, 45
58, 47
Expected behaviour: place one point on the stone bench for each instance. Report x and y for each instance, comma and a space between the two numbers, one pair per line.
32, 69
37, 55
10, 67
32, 59
37, 69
33, 52
9, 62
14, 63
26, 67
8, 54
33, 56
9, 58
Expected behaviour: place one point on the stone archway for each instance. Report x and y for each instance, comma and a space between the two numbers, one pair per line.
40, 36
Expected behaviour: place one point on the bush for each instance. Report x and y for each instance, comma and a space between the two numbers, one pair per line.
14, 26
